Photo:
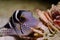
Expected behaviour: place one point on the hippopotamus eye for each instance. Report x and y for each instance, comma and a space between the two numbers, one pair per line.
22, 19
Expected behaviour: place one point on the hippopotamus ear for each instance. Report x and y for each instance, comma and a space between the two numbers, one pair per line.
16, 15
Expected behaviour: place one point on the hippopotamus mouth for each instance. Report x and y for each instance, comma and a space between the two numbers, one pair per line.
56, 17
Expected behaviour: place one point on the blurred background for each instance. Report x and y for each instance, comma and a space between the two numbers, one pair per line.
7, 7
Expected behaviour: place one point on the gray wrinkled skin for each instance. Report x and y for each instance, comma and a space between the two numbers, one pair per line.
30, 22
